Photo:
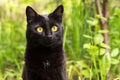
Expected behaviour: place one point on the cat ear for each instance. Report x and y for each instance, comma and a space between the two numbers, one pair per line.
30, 13
57, 14
59, 11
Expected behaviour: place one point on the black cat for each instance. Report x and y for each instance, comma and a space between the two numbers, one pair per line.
44, 56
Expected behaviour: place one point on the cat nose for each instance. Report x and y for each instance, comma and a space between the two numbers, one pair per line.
49, 36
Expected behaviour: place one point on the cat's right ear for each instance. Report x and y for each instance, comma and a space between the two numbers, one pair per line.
30, 14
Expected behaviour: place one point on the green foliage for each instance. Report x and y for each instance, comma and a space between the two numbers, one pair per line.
89, 49
83, 40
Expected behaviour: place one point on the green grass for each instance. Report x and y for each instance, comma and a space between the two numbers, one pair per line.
83, 40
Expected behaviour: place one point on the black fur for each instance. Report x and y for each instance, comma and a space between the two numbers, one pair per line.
44, 56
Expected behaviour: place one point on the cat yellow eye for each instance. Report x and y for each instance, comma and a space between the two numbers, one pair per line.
39, 29
54, 28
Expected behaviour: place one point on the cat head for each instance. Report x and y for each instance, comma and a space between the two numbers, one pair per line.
45, 30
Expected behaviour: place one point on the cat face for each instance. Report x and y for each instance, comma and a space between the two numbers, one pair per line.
46, 30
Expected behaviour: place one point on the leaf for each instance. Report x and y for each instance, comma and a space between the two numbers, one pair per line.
114, 61
104, 45
87, 36
105, 64
114, 52
103, 31
93, 50
82, 64
87, 45
70, 70
85, 73
117, 11
98, 38
117, 79
102, 51
92, 22
101, 17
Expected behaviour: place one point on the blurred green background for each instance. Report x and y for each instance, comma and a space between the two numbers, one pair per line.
83, 40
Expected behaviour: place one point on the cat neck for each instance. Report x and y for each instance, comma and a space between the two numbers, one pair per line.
32, 48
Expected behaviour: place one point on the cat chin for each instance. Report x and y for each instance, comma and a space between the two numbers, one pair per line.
51, 44
48, 44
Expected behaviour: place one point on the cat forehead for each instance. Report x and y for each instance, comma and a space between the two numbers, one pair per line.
45, 17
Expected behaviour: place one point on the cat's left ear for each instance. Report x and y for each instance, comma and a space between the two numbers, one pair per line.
59, 11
